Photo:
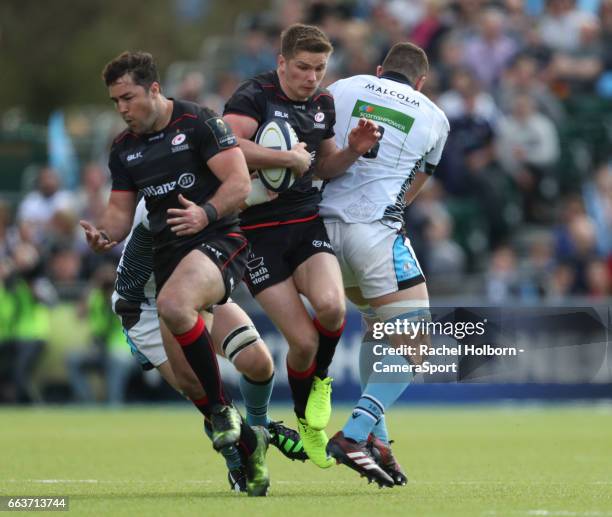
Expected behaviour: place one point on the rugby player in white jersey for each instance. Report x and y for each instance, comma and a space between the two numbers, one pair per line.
363, 214
233, 334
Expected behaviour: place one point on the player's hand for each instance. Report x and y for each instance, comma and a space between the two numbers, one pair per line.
258, 195
189, 220
364, 136
301, 159
97, 240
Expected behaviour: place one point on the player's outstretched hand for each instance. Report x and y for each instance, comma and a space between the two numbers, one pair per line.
301, 159
188, 220
96, 239
364, 136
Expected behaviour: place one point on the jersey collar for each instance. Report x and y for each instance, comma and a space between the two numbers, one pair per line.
397, 77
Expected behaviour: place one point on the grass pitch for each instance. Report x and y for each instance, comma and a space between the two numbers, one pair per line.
468, 461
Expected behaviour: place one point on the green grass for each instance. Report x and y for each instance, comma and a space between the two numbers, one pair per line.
471, 461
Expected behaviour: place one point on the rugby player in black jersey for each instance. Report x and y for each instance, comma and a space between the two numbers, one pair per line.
291, 253
186, 163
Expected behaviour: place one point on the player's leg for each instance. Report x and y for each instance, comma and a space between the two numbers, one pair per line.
284, 306
392, 284
236, 338
249, 453
198, 282
378, 440
202, 278
318, 277
320, 280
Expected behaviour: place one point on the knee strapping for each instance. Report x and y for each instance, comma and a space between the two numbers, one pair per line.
406, 309
239, 339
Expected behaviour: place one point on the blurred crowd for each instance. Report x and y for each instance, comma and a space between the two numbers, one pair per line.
520, 207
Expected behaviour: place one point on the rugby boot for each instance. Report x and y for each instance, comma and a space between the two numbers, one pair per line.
225, 421
357, 456
314, 443
383, 455
287, 441
237, 480
257, 476
318, 406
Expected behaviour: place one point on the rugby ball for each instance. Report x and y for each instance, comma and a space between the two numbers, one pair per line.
276, 134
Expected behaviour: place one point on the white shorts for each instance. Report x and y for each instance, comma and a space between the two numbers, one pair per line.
374, 257
141, 328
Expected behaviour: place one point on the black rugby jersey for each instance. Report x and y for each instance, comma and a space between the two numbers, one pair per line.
262, 99
170, 162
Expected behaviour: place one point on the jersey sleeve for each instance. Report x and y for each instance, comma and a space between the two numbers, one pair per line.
327, 101
121, 178
432, 158
214, 134
330, 133
247, 100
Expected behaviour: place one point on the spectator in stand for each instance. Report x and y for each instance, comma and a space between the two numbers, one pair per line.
576, 241
528, 148
522, 78
598, 279
467, 98
502, 280
597, 194
429, 32
25, 298
560, 25
107, 354
38, 206
578, 69
192, 87
488, 53
92, 194
255, 53
444, 257
537, 268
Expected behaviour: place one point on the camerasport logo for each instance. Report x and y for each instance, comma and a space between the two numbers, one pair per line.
186, 180
178, 139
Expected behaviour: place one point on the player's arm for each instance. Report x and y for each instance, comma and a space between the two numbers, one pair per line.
258, 157
230, 168
115, 223
332, 162
416, 186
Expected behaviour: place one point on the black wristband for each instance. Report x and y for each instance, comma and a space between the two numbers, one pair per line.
211, 212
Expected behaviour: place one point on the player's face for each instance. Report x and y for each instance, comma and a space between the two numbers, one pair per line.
135, 104
302, 74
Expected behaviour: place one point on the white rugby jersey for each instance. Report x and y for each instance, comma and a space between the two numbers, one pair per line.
415, 132
135, 280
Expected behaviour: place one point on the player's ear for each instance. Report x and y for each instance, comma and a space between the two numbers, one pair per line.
281, 62
155, 88
420, 82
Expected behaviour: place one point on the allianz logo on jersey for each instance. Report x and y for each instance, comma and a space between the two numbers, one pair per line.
184, 181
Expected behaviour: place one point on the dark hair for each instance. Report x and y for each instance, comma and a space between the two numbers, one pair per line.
139, 65
407, 59
298, 37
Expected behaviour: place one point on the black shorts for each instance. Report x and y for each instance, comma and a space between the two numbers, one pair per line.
277, 251
228, 250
